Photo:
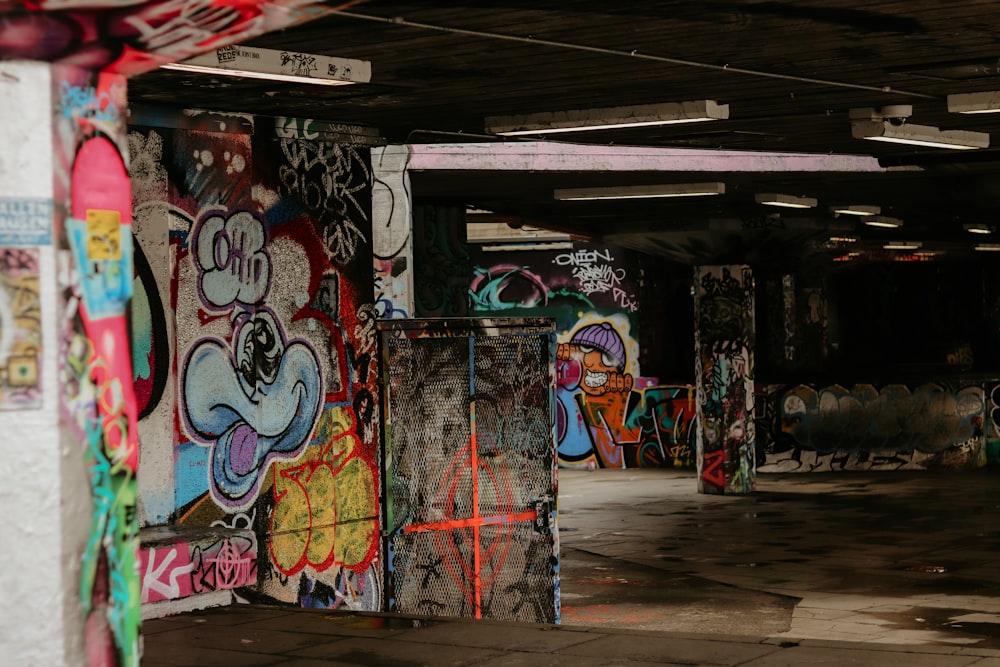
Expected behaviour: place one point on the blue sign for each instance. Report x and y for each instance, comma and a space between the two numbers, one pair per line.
25, 221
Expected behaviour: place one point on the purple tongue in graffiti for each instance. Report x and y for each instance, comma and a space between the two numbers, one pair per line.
242, 451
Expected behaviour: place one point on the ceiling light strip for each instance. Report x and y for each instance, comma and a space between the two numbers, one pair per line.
857, 209
640, 191
971, 103
902, 245
883, 221
919, 135
978, 228
583, 120
786, 201
274, 65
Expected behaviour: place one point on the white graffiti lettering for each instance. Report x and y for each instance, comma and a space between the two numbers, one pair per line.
152, 578
583, 257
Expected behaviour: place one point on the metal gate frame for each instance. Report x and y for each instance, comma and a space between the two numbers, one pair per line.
523, 521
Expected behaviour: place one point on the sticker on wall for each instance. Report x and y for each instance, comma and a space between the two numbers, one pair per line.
104, 238
105, 262
25, 221
20, 329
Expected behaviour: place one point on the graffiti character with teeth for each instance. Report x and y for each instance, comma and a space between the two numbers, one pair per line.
593, 361
601, 352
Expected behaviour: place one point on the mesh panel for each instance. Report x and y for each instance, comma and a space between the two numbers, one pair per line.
432, 573
429, 415
516, 573
513, 427
431, 477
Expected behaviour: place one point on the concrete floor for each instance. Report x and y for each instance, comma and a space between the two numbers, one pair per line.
889, 557
820, 569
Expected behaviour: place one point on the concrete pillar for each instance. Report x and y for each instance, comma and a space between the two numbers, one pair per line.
392, 232
724, 375
69, 447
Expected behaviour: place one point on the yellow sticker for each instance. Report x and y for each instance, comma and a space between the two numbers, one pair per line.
104, 234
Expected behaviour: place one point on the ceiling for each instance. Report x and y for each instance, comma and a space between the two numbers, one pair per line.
789, 71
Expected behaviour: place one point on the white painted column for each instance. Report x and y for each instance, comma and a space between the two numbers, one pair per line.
45, 500
392, 232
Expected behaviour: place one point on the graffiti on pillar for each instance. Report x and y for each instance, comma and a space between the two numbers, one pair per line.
724, 367
97, 398
391, 238
277, 409
131, 38
20, 330
896, 426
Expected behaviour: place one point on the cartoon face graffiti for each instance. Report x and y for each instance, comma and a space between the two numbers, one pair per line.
601, 352
255, 404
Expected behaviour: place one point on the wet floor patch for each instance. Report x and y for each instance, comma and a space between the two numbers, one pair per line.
958, 626
601, 591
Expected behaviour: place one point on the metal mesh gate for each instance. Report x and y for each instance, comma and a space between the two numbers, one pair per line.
470, 468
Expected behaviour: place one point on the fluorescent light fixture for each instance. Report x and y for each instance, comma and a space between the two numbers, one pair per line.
559, 245
501, 229
857, 209
918, 135
987, 102
988, 247
883, 221
787, 201
843, 239
607, 119
641, 191
274, 65
978, 228
902, 245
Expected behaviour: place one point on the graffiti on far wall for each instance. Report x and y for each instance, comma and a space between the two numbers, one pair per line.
871, 427
587, 277
606, 416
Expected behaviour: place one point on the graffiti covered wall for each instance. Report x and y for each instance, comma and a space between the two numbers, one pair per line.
276, 410
869, 427
607, 414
